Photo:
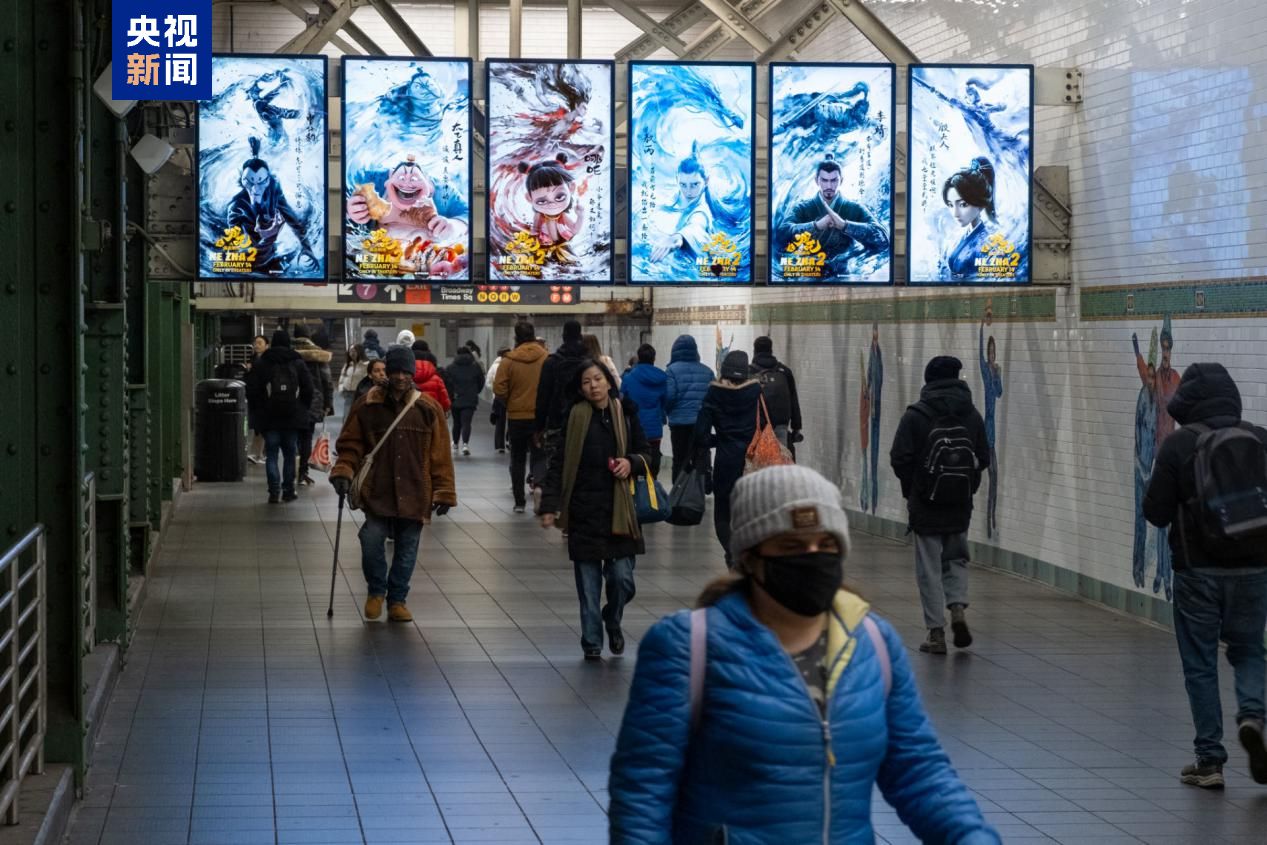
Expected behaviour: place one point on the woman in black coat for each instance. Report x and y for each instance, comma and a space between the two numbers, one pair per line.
727, 422
587, 495
465, 381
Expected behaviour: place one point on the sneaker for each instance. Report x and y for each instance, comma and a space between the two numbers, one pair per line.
520, 508
536, 500
306, 480
397, 612
274, 498
255, 460
290, 496
1251, 737
936, 642
466, 450
593, 654
501, 451
373, 607
615, 641
1204, 775
455, 448
959, 626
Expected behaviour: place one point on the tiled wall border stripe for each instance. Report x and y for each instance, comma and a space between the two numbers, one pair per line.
1180, 300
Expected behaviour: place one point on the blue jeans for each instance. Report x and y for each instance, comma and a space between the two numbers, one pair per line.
590, 575
287, 441
1209, 608
373, 534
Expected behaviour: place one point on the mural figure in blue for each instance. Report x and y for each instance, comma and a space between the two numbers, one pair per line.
872, 385
992, 378
1145, 547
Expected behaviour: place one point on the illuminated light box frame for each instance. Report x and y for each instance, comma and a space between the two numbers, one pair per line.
718, 257
964, 120
221, 148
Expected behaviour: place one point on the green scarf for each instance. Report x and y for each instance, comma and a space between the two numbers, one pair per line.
624, 514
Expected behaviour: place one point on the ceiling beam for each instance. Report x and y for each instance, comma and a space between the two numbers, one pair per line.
401, 27
662, 35
675, 23
738, 23
799, 34
874, 30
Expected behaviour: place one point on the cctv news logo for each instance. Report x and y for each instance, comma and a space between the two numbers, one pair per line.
161, 50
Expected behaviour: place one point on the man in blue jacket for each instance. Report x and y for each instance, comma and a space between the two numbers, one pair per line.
645, 385
686, 382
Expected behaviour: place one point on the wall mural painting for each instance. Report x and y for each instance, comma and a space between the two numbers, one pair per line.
1159, 380
992, 381
870, 386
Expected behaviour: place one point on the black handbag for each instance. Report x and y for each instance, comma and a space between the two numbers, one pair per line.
687, 501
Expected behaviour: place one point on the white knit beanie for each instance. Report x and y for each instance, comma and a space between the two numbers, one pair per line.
776, 500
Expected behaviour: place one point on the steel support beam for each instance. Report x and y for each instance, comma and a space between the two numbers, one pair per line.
675, 23
355, 32
401, 27
327, 25
574, 29
738, 23
797, 36
662, 35
516, 28
874, 30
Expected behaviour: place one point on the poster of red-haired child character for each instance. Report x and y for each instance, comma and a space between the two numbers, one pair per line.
550, 171
407, 169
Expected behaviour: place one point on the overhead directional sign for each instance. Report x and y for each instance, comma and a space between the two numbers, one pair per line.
397, 294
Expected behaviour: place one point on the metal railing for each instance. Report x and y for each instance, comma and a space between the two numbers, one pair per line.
23, 662
88, 563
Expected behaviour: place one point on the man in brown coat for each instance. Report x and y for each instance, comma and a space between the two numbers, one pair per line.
517, 378
412, 475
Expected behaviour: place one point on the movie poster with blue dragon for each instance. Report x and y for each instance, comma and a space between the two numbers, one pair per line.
406, 169
831, 174
550, 169
970, 172
691, 140
262, 173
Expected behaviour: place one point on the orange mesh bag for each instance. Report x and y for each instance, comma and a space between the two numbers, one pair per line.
765, 450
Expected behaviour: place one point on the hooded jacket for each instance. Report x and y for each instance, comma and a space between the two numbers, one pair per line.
1208, 395
372, 346
413, 470
552, 401
764, 361
427, 379
318, 361
762, 765
731, 411
944, 397
686, 382
518, 378
645, 385
258, 380
467, 379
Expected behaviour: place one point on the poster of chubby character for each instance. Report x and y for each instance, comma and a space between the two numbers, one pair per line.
691, 137
262, 169
831, 173
406, 169
970, 173
550, 167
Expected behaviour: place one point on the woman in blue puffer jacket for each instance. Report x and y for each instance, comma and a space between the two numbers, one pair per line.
684, 391
766, 717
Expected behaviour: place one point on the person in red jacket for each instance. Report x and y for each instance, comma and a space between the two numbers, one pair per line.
428, 380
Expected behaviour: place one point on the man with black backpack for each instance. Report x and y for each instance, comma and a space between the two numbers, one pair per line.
778, 386
939, 453
1209, 485
279, 392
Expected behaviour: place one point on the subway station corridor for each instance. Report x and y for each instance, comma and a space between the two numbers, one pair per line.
244, 716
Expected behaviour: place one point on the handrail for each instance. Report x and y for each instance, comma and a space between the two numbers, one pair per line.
23, 665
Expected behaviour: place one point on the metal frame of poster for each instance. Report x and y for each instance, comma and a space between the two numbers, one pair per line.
414, 261
532, 255
809, 250
705, 96
322, 258
1002, 253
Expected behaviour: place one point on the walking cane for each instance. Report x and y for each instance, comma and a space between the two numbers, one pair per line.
334, 574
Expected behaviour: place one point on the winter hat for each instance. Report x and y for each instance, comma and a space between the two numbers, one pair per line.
280, 338
942, 367
571, 331
776, 500
405, 338
301, 330
524, 332
763, 346
321, 338
399, 360
420, 346
370, 334
734, 367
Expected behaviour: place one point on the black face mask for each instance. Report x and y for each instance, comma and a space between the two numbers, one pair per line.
805, 584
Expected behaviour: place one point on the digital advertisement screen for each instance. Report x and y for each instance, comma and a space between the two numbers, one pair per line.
970, 169
406, 169
262, 172
831, 174
691, 146
550, 168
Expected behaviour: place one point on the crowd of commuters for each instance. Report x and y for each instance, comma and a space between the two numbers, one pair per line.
710, 683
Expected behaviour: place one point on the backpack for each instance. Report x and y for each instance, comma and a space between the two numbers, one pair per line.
948, 464
1230, 500
777, 393
282, 390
